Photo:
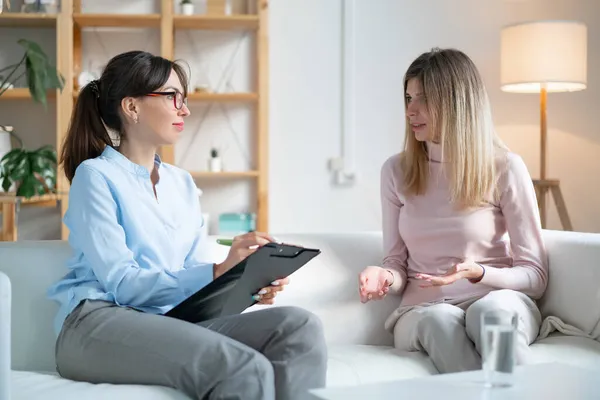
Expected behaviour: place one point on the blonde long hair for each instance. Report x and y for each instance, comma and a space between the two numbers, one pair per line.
461, 119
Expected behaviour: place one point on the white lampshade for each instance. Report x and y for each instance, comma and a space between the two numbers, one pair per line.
550, 53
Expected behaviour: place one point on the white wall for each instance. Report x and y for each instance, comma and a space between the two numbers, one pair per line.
305, 110
389, 35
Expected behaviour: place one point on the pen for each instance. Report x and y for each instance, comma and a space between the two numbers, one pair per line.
225, 242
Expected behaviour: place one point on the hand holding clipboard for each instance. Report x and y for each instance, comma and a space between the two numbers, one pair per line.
233, 291
249, 243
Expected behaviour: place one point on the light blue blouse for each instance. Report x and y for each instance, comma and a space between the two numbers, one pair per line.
131, 247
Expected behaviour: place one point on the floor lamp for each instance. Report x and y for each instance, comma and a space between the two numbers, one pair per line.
544, 57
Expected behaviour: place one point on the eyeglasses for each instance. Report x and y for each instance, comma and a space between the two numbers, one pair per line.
178, 100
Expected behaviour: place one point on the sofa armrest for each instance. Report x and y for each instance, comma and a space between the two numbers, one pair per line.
574, 282
5, 307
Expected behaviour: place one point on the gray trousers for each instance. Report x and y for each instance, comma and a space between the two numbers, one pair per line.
450, 333
278, 352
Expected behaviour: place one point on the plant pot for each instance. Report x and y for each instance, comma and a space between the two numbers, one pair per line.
187, 9
5, 146
6, 85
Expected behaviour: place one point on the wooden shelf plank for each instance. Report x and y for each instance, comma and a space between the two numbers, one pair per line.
216, 22
27, 20
83, 20
11, 198
222, 97
23, 94
224, 174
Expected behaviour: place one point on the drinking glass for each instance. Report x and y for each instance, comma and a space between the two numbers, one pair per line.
498, 345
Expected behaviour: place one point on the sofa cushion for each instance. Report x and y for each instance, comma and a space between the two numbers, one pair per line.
574, 350
362, 364
45, 386
348, 365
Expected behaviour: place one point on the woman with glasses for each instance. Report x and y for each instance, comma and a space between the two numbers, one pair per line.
135, 226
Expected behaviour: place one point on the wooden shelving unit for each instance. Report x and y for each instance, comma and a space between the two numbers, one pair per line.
224, 97
216, 22
23, 94
9, 204
68, 25
23, 20
257, 24
82, 20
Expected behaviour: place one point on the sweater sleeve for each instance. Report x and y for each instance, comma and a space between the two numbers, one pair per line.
395, 253
529, 272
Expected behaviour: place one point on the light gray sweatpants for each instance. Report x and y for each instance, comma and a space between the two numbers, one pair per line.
450, 333
278, 352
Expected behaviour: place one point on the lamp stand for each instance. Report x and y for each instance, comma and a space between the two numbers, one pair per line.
542, 185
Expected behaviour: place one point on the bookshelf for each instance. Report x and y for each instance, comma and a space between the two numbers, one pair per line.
70, 22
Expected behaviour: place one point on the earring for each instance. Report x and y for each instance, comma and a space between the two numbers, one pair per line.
135, 119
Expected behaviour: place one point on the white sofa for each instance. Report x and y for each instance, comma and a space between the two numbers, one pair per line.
359, 349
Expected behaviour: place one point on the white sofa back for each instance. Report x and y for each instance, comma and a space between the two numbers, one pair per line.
327, 286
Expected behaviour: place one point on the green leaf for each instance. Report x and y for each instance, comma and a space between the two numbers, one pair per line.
20, 170
13, 163
36, 76
6, 183
12, 155
47, 152
54, 79
41, 75
27, 187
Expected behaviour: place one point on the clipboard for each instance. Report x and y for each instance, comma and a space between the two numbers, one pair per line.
231, 293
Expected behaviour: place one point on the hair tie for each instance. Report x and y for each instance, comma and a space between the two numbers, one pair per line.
94, 86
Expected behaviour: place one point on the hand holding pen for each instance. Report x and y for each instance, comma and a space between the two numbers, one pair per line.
241, 247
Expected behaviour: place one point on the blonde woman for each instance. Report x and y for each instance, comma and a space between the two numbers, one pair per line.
461, 230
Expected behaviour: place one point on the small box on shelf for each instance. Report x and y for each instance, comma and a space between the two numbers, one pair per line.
236, 223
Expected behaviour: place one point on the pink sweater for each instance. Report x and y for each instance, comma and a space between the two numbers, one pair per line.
425, 234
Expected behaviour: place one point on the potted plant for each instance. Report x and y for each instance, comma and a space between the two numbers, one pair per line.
187, 7
31, 172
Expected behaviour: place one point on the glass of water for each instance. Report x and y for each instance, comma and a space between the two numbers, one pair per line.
498, 345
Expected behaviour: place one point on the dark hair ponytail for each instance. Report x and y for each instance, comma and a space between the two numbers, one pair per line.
87, 136
130, 74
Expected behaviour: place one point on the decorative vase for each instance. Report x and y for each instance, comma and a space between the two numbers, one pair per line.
187, 9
